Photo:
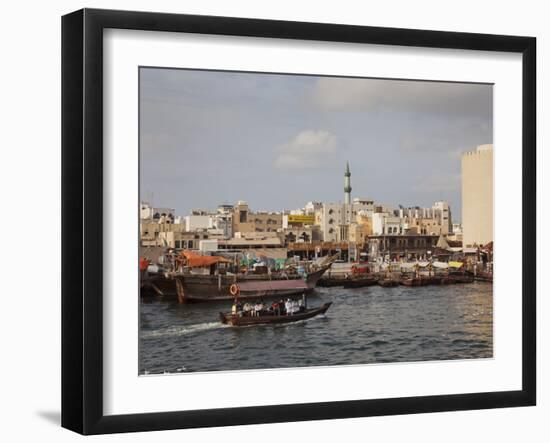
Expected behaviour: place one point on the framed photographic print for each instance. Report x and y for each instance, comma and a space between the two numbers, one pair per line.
268, 221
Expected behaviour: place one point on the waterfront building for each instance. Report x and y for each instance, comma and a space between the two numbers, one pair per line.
170, 235
244, 220
396, 247
456, 235
255, 244
360, 229
442, 213
428, 221
330, 217
388, 223
477, 196
299, 227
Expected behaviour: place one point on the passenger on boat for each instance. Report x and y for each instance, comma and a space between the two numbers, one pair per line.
275, 308
288, 306
258, 309
247, 309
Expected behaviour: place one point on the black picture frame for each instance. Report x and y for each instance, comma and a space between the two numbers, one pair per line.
82, 219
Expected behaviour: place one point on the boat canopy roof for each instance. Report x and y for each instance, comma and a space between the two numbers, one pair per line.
195, 260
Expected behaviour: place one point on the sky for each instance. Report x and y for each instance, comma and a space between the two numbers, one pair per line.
278, 141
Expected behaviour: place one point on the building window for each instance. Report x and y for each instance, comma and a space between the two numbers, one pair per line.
242, 216
190, 244
178, 244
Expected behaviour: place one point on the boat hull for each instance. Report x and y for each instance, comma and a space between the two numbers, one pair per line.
191, 289
360, 283
235, 320
388, 283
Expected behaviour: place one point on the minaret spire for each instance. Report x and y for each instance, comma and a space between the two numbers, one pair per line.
347, 185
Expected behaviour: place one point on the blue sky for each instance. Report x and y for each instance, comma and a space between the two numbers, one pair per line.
279, 141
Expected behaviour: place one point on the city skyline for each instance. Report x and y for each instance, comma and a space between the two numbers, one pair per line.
210, 137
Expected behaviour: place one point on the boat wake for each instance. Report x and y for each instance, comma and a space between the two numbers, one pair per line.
176, 331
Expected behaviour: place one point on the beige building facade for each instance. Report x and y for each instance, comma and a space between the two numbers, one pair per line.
244, 220
477, 196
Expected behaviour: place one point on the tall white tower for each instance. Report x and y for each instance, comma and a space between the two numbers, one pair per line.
344, 230
347, 186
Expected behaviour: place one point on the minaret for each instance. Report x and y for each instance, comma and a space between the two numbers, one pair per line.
344, 233
347, 186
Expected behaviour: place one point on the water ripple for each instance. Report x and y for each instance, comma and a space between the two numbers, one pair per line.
366, 325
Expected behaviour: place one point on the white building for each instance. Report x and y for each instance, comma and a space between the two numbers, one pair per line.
197, 222
148, 212
329, 218
366, 207
442, 212
385, 223
223, 221
311, 207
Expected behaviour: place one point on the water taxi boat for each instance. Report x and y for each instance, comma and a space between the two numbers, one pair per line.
271, 318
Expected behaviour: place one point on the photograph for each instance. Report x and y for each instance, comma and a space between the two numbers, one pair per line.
292, 221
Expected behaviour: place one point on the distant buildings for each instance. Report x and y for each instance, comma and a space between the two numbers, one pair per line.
477, 196
244, 220
318, 228
148, 212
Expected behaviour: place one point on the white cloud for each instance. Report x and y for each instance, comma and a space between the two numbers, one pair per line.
310, 149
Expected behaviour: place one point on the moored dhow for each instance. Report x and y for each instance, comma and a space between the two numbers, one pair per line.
360, 282
191, 283
204, 288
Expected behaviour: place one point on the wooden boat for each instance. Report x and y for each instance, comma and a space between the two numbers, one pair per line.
484, 276
236, 320
331, 282
360, 282
432, 280
411, 281
388, 282
216, 286
191, 289
460, 278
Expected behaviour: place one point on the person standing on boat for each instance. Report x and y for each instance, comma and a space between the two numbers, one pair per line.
288, 306
257, 309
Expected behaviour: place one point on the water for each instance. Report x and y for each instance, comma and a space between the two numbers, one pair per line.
363, 325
